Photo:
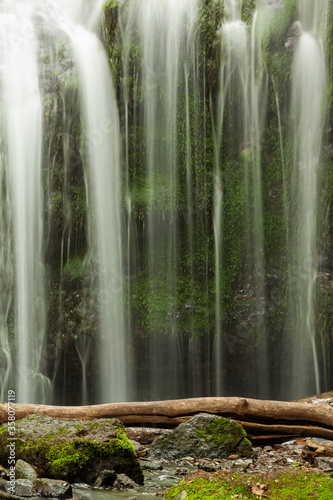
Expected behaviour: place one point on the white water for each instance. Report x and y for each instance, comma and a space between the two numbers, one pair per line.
104, 183
21, 167
165, 30
309, 84
256, 256
234, 73
21, 170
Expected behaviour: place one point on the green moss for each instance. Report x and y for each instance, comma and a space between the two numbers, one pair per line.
278, 59
73, 456
74, 269
248, 8
219, 431
294, 485
67, 454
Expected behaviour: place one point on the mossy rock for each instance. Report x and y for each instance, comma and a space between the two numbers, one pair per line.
72, 450
205, 436
292, 485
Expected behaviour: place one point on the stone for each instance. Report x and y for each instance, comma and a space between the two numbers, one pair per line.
242, 465
139, 449
23, 470
72, 450
150, 465
105, 478
49, 488
123, 482
323, 462
203, 436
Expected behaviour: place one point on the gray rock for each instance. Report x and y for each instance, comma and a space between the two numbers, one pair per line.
150, 465
23, 470
50, 488
203, 436
323, 462
242, 465
123, 482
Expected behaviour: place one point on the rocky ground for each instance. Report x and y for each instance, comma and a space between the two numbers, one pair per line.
270, 460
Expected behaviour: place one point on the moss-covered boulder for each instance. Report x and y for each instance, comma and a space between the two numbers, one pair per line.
205, 436
72, 450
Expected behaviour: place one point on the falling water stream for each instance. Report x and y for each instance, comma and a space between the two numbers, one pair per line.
157, 197
309, 83
165, 32
21, 173
22, 220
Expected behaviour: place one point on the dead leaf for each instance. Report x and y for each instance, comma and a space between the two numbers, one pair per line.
259, 489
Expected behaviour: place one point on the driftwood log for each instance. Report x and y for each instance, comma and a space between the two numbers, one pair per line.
261, 419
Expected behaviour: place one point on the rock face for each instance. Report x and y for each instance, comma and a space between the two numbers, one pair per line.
72, 450
205, 436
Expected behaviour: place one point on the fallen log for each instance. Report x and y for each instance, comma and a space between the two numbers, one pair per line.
234, 407
271, 417
257, 431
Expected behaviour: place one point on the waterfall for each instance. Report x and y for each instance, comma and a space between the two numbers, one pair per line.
308, 92
22, 222
165, 31
101, 146
22, 268
101, 115
163, 183
234, 73
242, 90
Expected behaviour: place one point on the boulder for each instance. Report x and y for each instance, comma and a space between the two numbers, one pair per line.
123, 482
72, 450
203, 436
23, 470
47, 488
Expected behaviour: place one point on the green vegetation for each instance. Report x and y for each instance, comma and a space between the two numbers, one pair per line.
293, 485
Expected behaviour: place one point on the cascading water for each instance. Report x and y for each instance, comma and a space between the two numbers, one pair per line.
146, 231
242, 88
307, 110
165, 30
22, 219
21, 177
101, 130
103, 160
234, 73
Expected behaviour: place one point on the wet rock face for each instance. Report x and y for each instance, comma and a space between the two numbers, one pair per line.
203, 436
72, 450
